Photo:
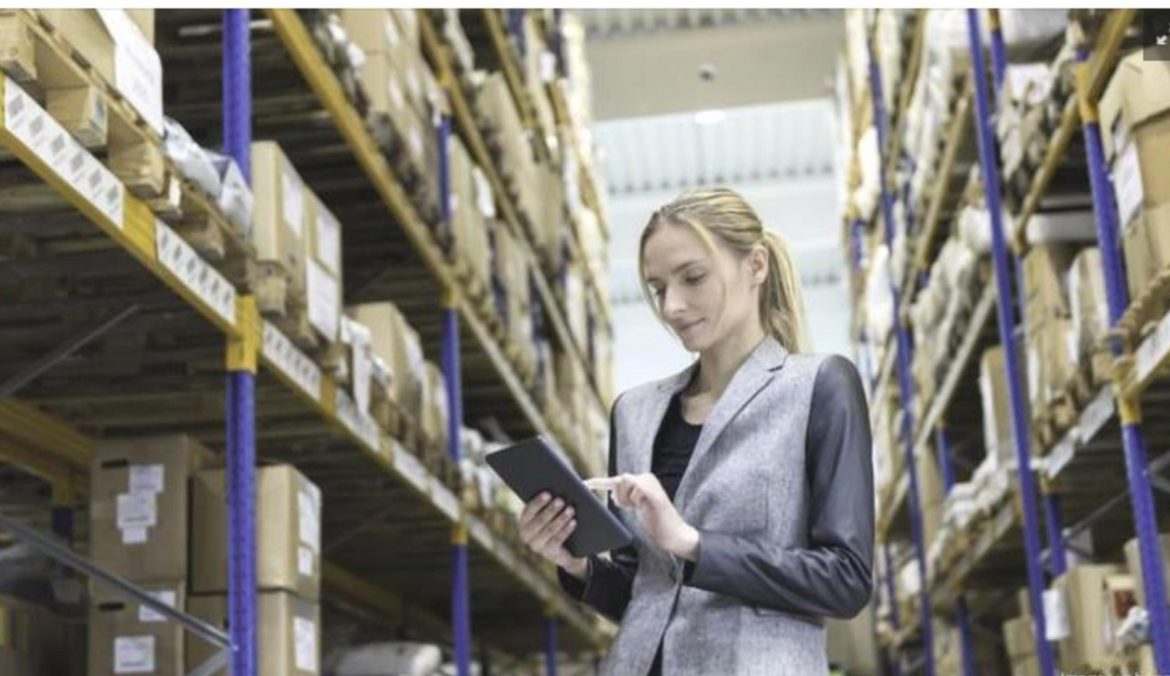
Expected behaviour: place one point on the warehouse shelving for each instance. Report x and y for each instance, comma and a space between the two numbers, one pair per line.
161, 368
469, 130
1079, 472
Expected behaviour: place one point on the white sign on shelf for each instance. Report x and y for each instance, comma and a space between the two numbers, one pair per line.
1153, 350
1060, 456
1095, 415
361, 425
290, 361
444, 499
40, 133
411, 469
195, 273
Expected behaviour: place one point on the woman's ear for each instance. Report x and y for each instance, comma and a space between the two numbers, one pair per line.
758, 264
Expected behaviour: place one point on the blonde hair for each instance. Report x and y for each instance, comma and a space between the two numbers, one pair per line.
724, 215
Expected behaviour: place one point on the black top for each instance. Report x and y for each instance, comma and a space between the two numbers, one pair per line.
830, 577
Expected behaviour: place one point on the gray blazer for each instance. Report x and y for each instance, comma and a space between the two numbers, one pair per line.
780, 486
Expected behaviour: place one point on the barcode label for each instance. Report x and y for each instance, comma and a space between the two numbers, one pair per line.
286, 358
194, 273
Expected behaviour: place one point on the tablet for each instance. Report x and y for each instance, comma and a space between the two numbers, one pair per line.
532, 467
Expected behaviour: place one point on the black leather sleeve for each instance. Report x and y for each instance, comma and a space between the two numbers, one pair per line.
833, 575
609, 583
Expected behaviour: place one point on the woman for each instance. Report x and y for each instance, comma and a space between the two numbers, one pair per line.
746, 478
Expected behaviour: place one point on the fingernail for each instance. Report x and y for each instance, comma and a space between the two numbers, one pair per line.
558, 503
544, 497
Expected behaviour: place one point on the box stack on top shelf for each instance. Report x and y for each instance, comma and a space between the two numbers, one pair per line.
324, 267
962, 428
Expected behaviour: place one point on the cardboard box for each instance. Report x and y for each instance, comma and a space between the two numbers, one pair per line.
280, 218
1140, 179
1134, 566
998, 428
471, 202
1146, 247
435, 411
1045, 271
1138, 92
1026, 666
1081, 587
82, 112
1087, 302
128, 638
1019, 637
393, 339
288, 633
323, 275
138, 505
119, 51
288, 533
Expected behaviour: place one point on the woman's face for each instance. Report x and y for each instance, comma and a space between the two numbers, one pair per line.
702, 296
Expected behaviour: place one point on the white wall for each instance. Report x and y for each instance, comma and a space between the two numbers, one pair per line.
803, 211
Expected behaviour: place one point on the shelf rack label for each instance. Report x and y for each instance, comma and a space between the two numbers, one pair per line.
411, 469
1152, 352
361, 425
286, 358
1095, 415
444, 499
195, 273
33, 127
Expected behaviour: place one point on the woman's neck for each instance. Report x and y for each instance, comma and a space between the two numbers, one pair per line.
718, 364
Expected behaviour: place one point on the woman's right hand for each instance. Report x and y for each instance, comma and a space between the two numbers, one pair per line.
545, 524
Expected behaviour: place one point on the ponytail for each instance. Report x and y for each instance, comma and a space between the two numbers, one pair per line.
781, 299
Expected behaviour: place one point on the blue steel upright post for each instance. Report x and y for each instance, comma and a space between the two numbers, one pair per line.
991, 187
1054, 524
904, 381
1128, 405
241, 376
460, 581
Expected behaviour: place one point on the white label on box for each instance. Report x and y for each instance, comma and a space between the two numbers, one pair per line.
483, 193
137, 510
147, 478
292, 204
137, 67
397, 99
416, 144
194, 273
1056, 615
286, 358
305, 640
391, 30
147, 614
309, 519
133, 536
1127, 182
134, 655
41, 134
329, 241
548, 66
324, 300
305, 558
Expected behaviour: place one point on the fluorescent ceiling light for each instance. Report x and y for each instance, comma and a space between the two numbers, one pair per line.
709, 117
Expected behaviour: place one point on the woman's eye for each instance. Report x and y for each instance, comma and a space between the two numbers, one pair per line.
695, 279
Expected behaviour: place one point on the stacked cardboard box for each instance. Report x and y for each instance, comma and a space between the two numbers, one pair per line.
931, 494
1135, 133
139, 524
510, 143
539, 69
1050, 365
512, 288
1133, 563
998, 428
34, 640
1090, 316
472, 202
435, 410
403, 96
397, 344
1095, 599
1019, 638
288, 568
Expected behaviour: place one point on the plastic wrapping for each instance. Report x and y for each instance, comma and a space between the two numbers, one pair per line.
235, 198
190, 159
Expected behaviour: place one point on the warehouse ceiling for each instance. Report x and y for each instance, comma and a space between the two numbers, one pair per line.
652, 62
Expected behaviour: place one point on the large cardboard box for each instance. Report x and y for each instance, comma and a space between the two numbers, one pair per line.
1045, 272
138, 505
393, 339
288, 532
279, 219
1090, 314
1146, 246
381, 31
1026, 666
1134, 565
126, 637
115, 45
1081, 588
998, 434
323, 274
435, 408
471, 202
288, 636
1138, 92
1019, 637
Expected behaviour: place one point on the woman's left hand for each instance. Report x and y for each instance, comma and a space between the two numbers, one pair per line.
644, 494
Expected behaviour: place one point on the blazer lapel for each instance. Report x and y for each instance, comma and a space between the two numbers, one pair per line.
649, 419
753, 375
